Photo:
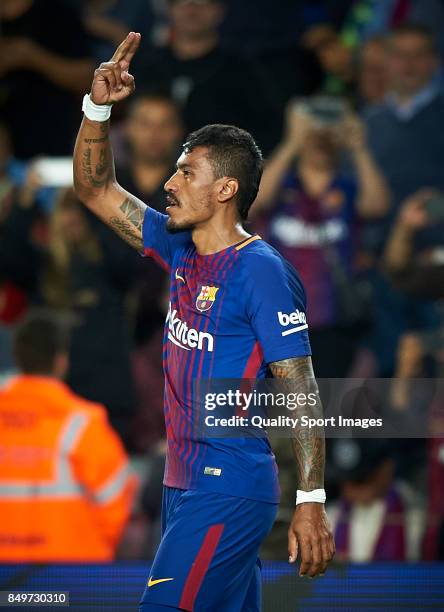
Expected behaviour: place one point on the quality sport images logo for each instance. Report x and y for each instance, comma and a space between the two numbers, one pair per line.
186, 337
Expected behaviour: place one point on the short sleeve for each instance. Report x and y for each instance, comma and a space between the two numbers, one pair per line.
158, 242
276, 307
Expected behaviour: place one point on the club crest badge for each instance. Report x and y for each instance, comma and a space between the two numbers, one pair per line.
206, 298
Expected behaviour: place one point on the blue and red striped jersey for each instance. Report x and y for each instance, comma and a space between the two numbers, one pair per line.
231, 313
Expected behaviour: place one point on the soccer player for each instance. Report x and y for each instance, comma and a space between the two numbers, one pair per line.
236, 308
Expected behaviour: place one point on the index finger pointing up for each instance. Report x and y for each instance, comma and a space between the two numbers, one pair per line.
126, 50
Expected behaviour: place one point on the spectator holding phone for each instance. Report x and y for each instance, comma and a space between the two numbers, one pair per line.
414, 255
313, 209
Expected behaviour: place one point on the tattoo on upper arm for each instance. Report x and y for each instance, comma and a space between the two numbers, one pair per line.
296, 367
133, 212
308, 444
130, 226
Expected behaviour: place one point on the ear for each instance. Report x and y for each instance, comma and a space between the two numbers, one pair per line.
228, 189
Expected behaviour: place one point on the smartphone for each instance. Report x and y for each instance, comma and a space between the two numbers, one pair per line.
55, 171
325, 110
434, 208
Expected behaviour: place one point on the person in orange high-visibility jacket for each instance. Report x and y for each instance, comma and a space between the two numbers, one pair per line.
65, 486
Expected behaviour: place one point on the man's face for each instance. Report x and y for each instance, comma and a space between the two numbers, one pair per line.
411, 63
373, 71
195, 17
320, 150
192, 191
154, 131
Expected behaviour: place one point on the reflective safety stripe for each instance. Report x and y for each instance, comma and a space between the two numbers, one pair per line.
114, 486
63, 485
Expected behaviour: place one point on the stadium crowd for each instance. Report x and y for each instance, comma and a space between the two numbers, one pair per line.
345, 100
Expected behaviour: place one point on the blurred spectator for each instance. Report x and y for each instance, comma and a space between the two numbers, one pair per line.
335, 58
372, 72
414, 254
367, 18
12, 298
210, 84
65, 486
406, 144
152, 131
313, 211
402, 131
83, 267
109, 22
41, 68
376, 517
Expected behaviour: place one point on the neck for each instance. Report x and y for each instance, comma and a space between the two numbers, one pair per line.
214, 237
186, 47
403, 98
315, 181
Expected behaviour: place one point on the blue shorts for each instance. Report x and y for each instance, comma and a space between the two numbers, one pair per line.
208, 555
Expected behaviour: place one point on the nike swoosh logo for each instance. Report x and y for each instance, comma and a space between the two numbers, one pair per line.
152, 582
178, 276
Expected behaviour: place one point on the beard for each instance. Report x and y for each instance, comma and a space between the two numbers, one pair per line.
176, 228
202, 212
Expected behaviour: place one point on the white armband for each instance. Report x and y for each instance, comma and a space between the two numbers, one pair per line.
96, 112
317, 496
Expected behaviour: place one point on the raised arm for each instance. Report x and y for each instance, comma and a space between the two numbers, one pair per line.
94, 176
309, 529
298, 125
374, 195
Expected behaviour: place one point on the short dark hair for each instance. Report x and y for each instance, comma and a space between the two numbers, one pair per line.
234, 153
39, 338
417, 29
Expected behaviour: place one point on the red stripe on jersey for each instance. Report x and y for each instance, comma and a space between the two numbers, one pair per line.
218, 266
251, 369
200, 567
254, 362
155, 255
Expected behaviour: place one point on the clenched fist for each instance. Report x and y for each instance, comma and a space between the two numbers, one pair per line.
112, 81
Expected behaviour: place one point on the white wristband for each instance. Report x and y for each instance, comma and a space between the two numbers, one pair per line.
96, 112
317, 495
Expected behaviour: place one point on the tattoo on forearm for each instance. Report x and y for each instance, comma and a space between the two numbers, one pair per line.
308, 444
130, 227
95, 140
102, 166
102, 170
